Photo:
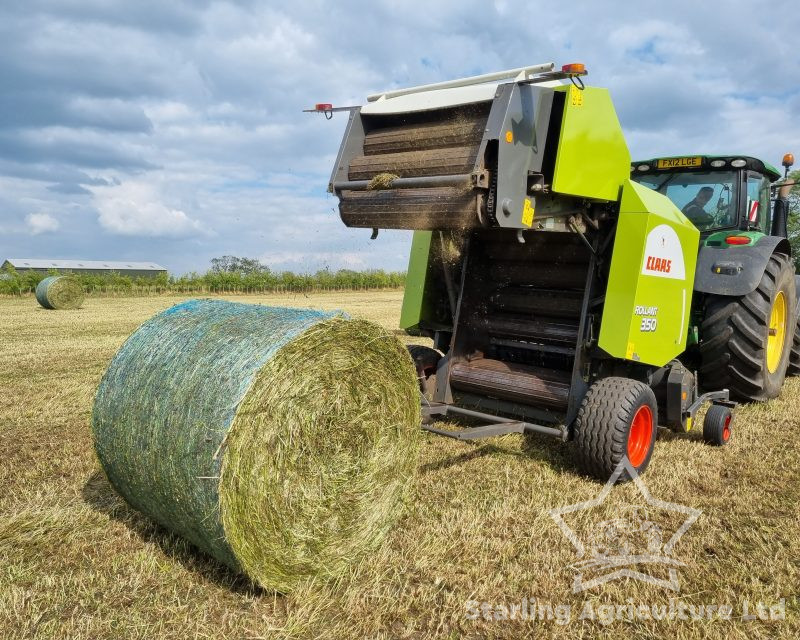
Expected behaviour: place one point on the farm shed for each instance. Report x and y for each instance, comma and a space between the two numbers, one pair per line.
89, 267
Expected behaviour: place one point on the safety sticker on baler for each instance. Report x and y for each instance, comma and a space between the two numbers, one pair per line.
576, 95
527, 213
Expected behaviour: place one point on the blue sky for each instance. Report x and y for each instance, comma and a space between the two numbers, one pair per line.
173, 131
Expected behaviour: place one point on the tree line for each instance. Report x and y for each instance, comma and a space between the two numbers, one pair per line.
240, 275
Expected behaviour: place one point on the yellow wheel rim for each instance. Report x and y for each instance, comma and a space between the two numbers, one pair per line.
777, 332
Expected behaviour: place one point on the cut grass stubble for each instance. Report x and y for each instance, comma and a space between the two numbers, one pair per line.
77, 562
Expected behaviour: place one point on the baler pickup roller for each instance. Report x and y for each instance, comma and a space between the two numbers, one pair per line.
511, 381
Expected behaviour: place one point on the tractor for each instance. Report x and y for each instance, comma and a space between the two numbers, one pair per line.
567, 290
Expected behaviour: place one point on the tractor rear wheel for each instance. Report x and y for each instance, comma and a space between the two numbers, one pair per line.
746, 341
618, 418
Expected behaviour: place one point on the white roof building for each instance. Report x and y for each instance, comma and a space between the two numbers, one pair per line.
123, 267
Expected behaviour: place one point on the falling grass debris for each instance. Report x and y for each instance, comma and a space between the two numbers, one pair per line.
382, 181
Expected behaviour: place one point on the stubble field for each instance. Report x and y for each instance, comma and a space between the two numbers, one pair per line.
77, 562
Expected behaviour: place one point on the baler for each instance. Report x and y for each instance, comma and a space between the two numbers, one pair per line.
565, 291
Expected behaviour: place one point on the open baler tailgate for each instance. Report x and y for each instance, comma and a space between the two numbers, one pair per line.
497, 158
433, 153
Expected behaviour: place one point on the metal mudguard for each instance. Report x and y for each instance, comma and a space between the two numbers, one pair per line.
735, 271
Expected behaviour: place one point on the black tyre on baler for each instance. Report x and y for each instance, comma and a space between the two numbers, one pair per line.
746, 341
717, 425
618, 418
426, 359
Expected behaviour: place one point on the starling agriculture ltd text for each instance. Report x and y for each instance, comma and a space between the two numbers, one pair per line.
535, 610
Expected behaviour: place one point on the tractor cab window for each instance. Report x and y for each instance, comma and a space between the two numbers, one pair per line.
707, 199
758, 211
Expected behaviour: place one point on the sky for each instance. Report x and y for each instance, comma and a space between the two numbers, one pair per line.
172, 131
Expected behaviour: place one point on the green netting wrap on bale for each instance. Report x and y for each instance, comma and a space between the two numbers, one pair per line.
59, 292
282, 442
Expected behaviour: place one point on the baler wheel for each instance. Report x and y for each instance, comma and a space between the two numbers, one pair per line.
618, 418
717, 425
426, 359
746, 341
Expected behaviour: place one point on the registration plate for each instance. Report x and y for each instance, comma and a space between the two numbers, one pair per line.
679, 163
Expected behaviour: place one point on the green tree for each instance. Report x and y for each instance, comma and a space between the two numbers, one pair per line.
235, 264
794, 218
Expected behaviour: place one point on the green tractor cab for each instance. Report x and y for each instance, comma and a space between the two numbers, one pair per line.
719, 194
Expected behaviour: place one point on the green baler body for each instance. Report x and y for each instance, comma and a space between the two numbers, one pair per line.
593, 160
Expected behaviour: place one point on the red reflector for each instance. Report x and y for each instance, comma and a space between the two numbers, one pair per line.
323, 106
737, 240
575, 67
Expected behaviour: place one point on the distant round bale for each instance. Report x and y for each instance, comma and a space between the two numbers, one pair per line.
281, 441
59, 292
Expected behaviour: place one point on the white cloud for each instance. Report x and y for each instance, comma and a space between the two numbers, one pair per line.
137, 209
301, 261
657, 38
42, 223
205, 133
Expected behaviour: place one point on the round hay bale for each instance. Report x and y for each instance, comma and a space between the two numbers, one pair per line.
281, 441
59, 292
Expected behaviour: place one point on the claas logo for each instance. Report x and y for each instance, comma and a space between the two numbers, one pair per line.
663, 255
662, 265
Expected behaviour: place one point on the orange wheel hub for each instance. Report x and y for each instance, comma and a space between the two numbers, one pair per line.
640, 436
726, 430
